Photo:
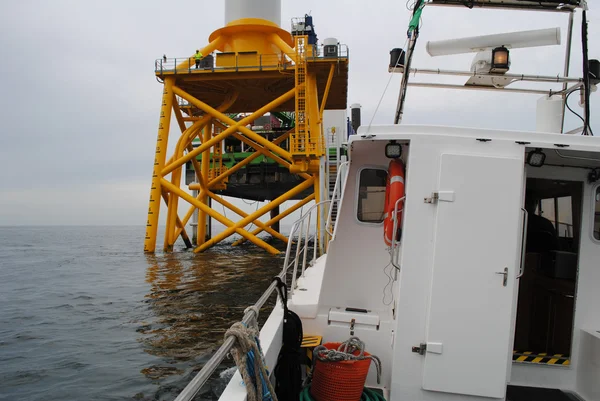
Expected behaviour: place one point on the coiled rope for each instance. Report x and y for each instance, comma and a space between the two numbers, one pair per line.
249, 359
345, 352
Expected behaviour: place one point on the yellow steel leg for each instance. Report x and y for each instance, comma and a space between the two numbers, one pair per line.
207, 135
326, 94
171, 227
159, 161
180, 225
185, 220
284, 47
242, 223
274, 220
202, 216
189, 137
315, 134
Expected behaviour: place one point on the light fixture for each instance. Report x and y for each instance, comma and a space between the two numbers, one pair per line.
500, 60
397, 60
536, 158
393, 150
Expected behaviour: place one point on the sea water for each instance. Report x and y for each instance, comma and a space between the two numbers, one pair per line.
85, 314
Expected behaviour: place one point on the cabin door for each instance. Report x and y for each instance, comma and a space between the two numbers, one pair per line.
476, 259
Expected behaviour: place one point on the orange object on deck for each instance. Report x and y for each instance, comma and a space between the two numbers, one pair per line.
341, 380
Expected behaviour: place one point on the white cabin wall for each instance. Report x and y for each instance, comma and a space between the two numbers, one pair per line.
417, 261
587, 314
354, 273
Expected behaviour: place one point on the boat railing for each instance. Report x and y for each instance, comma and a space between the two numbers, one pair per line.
308, 239
196, 384
336, 198
303, 241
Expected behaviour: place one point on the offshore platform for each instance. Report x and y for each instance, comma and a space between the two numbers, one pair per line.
251, 114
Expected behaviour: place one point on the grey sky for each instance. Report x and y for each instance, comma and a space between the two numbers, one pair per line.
79, 106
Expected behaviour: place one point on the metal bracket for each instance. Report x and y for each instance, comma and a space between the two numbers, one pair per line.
352, 322
440, 196
435, 196
421, 349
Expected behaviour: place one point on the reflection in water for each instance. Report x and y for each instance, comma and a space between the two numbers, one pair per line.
193, 300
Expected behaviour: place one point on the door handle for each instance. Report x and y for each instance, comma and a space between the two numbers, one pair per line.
505, 274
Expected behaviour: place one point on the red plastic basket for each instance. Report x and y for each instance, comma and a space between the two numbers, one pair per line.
339, 381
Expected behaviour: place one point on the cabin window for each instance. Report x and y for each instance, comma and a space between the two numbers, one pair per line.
371, 195
597, 214
560, 213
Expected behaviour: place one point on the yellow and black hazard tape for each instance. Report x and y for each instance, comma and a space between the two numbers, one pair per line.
311, 341
541, 358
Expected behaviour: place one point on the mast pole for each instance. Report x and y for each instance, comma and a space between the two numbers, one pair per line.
567, 65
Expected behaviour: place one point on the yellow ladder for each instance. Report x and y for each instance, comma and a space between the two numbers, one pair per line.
217, 168
300, 136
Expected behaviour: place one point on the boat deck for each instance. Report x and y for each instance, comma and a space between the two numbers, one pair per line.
519, 393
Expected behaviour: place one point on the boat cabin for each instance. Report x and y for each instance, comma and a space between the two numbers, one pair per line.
466, 259
493, 284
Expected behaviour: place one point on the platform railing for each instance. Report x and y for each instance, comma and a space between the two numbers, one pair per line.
240, 62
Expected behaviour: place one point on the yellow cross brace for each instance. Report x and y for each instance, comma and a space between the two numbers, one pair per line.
233, 227
267, 208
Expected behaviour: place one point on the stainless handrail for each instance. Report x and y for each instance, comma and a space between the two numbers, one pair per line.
523, 242
395, 230
195, 385
342, 166
302, 249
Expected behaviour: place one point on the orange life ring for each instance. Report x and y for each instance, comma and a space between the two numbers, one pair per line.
394, 190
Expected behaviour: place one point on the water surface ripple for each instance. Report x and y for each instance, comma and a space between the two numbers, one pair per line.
86, 315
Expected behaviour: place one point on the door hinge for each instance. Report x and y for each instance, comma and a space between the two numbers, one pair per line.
435, 196
420, 349
440, 196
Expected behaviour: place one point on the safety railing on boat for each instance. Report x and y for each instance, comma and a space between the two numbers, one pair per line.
336, 197
300, 238
196, 384
395, 242
243, 61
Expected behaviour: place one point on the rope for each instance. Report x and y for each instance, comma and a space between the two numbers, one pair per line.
345, 352
367, 395
385, 90
250, 361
